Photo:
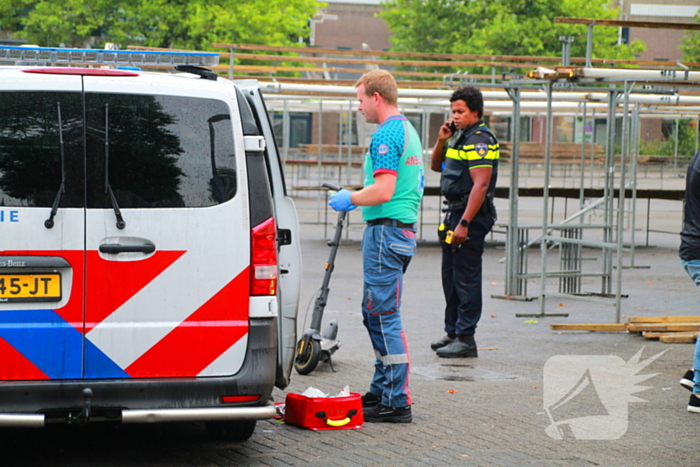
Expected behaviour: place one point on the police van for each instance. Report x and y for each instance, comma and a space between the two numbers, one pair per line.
150, 264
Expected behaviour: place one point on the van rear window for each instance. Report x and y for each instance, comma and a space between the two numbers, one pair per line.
152, 151
41, 135
161, 151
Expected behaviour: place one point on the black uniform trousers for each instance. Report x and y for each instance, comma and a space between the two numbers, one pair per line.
462, 274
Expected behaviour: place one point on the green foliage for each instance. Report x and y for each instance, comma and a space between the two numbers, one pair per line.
188, 24
686, 142
502, 27
691, 44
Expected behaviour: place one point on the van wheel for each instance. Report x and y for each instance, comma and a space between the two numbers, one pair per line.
230, 430
307, 359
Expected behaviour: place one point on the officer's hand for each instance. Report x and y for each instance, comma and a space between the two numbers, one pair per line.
460, 234
340, 201
445, 131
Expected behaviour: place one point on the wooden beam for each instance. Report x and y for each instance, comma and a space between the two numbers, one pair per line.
420, 63
436, 56
453, 59
403, 83
628, 24
383, 53
589, 327
662, 327
679, 337
299, 69
664, 319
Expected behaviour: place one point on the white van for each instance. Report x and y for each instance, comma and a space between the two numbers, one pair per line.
149, 255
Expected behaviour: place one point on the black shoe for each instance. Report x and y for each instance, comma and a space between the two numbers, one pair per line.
442, 342
694, 404
370, 400
458, 348
383, 414
687, 380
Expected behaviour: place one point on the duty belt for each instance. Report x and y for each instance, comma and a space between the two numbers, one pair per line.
454, 205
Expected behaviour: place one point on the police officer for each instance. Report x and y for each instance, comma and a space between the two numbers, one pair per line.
466, 152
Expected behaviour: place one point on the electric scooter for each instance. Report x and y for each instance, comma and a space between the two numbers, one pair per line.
315, 345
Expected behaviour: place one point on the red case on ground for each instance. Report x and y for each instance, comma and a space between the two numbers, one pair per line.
324, 413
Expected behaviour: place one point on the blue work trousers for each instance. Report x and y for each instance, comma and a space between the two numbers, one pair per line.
692, 267
386, 253
461, 275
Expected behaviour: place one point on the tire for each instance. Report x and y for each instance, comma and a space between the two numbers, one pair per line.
230, 430
306, 361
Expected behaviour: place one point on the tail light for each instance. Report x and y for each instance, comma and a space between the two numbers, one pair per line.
263, 279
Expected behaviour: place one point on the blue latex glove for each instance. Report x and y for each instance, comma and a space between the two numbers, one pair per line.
340, 201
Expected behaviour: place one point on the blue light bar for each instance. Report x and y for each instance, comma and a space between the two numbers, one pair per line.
43, 55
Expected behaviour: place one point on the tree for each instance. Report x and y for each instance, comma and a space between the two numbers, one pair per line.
190, 24
502, 27
691, 44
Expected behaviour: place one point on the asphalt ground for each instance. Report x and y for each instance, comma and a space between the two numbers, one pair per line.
488, 411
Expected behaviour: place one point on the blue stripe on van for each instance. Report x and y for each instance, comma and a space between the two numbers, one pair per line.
99, 365
46, 340
54, 346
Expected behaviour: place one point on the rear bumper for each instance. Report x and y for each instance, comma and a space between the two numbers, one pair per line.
36, 403
157, 416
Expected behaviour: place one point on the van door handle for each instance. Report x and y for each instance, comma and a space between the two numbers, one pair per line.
115, 248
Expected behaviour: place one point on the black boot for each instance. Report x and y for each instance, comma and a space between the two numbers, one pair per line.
442, 342
462, 347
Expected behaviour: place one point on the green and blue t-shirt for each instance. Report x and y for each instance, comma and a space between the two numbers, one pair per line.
396, 149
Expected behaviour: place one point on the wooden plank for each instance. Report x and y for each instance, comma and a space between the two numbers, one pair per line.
300, 69
589, 327
679, 337
653, 334
419, 63
661, 327
436, 56
664, 319
628, 24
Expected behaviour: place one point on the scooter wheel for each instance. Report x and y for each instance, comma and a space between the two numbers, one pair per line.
308, 356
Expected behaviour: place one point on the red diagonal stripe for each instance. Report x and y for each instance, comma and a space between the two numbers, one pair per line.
15, 366
201, 338
111, 283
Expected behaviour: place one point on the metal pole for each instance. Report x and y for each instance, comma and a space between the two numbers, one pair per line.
583, 157
230, 64
348, 139
589, 44
285, 132
545, 195
592, 146
636, 137
319, 163
512, 234
675, 146
624, 153
608, 192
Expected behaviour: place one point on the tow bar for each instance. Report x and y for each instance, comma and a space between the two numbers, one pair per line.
84, 416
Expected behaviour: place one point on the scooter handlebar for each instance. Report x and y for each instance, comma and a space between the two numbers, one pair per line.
332, 186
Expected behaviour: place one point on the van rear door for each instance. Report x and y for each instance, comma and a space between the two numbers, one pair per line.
289, 244
41, 249
168, 244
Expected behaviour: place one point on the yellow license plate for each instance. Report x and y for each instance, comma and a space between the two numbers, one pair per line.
30, 287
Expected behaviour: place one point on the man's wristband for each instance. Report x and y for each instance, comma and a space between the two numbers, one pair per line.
464, 223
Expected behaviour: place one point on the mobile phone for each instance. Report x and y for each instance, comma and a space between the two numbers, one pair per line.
452, 127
